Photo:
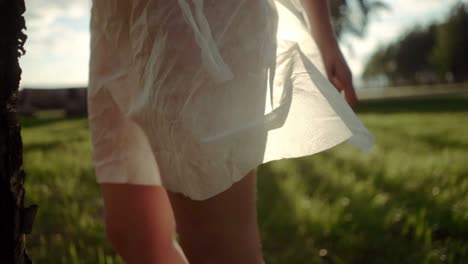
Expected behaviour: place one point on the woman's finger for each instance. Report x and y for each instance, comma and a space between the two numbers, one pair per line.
347, 89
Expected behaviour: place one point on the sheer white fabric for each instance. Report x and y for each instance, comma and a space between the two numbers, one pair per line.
193, 94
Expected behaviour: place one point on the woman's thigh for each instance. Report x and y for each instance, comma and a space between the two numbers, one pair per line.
221, 229
140, 223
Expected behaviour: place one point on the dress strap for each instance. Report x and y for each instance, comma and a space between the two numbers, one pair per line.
210, 53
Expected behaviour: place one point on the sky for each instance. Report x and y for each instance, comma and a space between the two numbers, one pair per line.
57, 49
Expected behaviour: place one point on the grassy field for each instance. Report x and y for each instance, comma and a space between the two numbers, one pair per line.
404, 202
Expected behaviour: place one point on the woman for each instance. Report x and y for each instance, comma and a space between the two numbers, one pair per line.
187, 98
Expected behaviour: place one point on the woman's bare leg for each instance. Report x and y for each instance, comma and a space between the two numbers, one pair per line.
140, 224
222, 229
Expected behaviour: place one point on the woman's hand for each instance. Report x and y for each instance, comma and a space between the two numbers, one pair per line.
339, 73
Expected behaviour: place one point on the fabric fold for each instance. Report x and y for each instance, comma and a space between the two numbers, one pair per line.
211, 57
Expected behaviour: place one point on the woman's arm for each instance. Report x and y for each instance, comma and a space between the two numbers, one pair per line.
318, 13
336, 67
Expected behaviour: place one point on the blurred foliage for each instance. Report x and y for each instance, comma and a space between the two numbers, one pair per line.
451, 41
425, 55
352, 16
404, 202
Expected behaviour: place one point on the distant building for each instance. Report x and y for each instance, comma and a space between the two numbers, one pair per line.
71, 100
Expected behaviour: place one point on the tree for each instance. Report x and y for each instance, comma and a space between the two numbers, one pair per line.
425, 54
451, 41
405, 61
352, 16
15, 220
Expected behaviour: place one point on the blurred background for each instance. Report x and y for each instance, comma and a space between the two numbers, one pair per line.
404, 202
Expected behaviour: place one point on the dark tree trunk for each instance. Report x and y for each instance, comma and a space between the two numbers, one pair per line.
15, 220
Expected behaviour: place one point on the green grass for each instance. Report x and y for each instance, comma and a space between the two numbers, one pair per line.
404, 202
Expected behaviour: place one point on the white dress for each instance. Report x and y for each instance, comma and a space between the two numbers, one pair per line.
193, 94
